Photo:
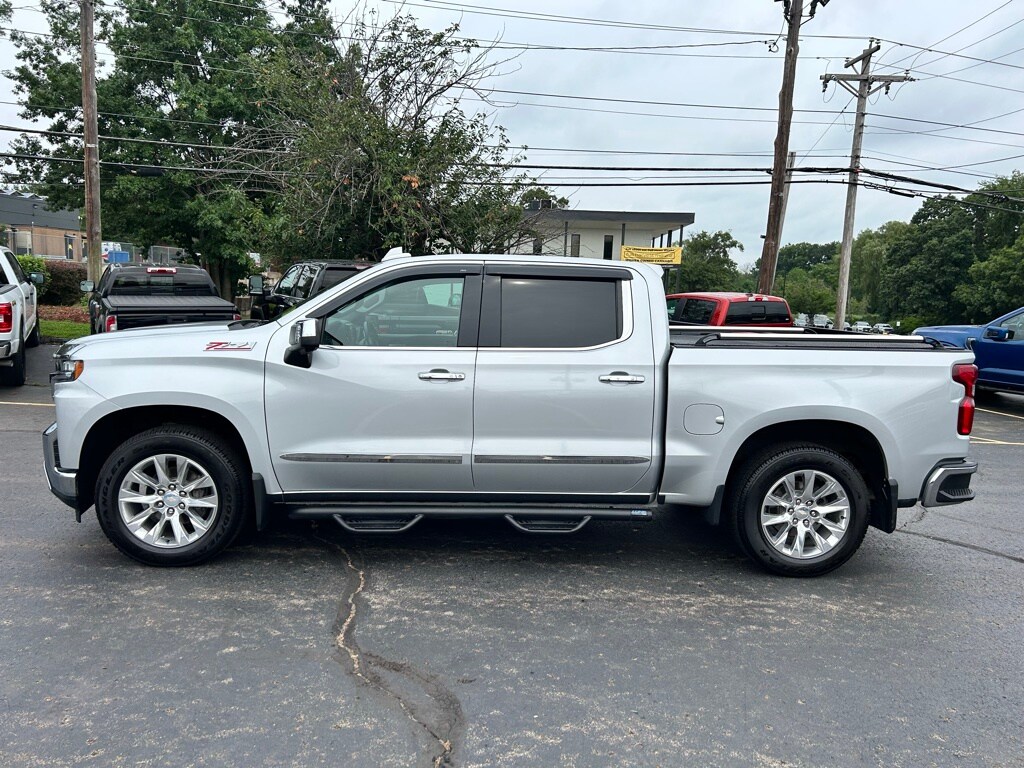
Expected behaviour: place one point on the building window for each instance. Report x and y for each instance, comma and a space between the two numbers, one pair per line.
574, 247
609, 241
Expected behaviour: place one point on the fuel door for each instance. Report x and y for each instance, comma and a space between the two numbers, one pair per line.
703, 419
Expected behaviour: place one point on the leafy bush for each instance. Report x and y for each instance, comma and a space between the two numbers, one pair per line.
62, 287
30, 263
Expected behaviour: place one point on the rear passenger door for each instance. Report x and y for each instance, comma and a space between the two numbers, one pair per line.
565, 381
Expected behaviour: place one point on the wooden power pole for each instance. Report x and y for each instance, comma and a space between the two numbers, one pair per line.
776, 203
867, 84
93, 234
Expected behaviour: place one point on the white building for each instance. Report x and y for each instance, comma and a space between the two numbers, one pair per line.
600, 234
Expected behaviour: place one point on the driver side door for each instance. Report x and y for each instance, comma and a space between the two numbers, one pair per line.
1001, 363
387, 402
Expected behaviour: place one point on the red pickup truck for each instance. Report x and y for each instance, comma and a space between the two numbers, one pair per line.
723, 308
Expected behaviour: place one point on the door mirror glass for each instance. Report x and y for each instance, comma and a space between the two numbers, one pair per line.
37, 277
87, 286
255, 285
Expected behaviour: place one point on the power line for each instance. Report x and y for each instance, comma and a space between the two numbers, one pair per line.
954, 34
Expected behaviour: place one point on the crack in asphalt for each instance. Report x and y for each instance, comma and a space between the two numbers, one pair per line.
449, 718
944, 540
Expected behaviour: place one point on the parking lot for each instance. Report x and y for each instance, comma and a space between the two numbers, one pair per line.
470, 644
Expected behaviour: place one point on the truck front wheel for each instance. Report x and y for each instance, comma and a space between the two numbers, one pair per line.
173, 495
801, 509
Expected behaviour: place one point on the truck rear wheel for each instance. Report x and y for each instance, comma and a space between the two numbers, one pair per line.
14, 375
801, 509
173, 495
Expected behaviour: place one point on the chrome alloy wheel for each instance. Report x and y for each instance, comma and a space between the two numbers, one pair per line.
805, 514
168, 501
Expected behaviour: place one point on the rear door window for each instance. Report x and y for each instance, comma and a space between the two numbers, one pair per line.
541, 312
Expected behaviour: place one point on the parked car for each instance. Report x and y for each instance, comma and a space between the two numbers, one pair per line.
821, 321
801, 320
138, 295
301, 282
998, 349
19, 317
861, 326
883, 328
543, 390
724, 308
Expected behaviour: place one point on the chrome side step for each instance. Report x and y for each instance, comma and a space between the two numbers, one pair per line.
548, 524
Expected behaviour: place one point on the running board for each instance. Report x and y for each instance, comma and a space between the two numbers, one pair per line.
394, 518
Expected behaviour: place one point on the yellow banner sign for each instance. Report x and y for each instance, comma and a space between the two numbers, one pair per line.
652, 255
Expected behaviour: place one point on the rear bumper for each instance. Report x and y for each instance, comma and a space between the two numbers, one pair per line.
5, 349
63, 483
949, 483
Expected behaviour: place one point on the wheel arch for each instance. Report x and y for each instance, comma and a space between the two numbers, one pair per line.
114, 428
852, 441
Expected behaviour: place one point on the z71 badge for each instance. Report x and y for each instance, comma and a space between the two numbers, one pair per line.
230, 346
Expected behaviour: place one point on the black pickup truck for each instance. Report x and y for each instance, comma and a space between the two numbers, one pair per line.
138, 295
299, 283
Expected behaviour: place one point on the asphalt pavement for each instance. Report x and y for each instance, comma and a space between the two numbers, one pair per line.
470, 644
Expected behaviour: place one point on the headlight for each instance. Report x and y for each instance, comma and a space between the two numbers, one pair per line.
67, 370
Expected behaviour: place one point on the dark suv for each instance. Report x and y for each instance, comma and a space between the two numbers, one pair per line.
301, 282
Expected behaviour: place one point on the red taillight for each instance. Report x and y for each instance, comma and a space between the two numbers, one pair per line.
162, 270
967, 375
6, 317
237, 316
111, 324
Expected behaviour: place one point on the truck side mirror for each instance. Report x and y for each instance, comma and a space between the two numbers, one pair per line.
998, 334
37, 277
305, 338
255, 285
87, 286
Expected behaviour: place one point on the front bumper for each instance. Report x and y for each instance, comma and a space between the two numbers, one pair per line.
949, 483
63, 483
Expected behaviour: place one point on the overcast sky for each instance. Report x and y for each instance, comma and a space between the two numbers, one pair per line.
745, 73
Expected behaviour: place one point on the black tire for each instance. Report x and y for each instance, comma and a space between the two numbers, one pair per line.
14, 375
33, 338
763, 473
222, 464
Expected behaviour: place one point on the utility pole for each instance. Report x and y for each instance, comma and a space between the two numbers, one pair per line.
867, 84
794, 10
92, 143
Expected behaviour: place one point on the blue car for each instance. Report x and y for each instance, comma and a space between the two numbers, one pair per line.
998, 349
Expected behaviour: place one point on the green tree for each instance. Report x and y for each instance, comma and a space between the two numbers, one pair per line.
178, 84
996, 284
380, 150
807, 292
926, 263
707, 263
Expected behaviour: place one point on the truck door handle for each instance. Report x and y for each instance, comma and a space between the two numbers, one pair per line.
620, 377
440, 374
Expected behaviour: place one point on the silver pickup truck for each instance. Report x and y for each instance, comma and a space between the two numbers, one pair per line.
19, 317
548, 391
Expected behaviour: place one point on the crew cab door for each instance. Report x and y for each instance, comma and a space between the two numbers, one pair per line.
1002, 362
387, 402
565, 382
28, 290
